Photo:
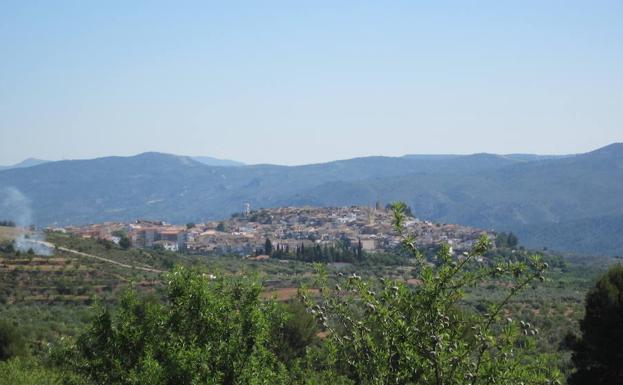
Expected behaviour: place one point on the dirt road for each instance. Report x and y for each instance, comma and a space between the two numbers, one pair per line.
53, 246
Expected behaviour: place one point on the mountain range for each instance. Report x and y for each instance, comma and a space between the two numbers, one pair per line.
201, 159
568, 203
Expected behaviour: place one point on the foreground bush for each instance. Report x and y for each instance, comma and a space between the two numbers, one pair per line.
210, 331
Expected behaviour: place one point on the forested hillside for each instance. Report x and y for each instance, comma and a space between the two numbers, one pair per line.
519, 193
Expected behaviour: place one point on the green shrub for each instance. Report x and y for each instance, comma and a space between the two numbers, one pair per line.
12, 343
25, 371
210, 331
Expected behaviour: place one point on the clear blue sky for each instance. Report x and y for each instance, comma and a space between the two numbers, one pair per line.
306, 81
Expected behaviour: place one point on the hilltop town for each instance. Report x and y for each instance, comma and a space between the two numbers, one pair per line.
286, 229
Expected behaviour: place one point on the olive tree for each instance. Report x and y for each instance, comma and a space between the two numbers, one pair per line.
386, 332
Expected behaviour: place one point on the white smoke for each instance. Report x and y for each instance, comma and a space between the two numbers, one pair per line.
33, 241
15, 206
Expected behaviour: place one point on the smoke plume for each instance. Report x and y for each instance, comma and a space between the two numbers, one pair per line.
14, 206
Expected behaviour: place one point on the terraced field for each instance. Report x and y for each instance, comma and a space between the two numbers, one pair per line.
63, 278
51, 296
8, 233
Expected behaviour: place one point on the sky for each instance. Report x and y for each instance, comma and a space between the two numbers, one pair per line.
294, 82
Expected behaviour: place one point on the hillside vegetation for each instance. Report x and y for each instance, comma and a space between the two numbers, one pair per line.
360, 324
51, 299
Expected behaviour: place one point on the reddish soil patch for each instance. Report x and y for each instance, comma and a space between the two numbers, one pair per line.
285, 293
323, 334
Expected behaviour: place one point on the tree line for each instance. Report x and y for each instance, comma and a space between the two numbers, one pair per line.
340, 251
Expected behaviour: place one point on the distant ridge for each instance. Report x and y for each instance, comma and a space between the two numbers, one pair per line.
217, 162
25, 163
611, 150
534, 196
518, 157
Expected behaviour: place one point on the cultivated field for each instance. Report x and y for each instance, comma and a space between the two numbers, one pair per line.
8, 233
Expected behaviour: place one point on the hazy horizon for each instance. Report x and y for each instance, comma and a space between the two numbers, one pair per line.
321, 161
299, 83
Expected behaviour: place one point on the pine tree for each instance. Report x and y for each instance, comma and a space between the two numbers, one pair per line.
597, 354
